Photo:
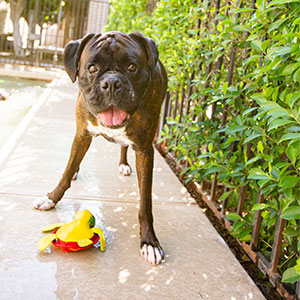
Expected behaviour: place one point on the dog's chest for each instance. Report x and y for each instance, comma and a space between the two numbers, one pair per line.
117, 135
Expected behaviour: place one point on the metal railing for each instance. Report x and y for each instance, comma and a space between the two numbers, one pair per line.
34, 32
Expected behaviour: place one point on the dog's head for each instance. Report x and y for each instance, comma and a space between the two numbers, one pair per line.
113, 70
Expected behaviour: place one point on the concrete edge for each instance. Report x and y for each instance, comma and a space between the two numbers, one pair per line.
29, 73
8, 146
100, 199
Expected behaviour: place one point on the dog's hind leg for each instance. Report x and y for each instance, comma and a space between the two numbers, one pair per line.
124, 167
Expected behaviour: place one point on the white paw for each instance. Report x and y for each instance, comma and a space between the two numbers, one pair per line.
75, 176
125, 170
151, 254
43, 203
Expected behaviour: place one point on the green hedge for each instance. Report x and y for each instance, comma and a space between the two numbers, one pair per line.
260, 144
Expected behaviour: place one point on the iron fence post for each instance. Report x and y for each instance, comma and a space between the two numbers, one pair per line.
164, 114
55, 58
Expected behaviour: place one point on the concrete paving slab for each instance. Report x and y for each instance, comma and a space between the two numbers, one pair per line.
198, 263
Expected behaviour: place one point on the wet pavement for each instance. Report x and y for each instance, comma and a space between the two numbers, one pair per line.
198, 263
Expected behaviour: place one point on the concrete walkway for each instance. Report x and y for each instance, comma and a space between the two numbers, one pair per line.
198, 263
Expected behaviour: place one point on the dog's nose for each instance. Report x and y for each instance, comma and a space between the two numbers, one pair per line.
110, 84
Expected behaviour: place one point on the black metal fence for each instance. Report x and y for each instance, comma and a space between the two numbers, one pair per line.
34, 32
178, 103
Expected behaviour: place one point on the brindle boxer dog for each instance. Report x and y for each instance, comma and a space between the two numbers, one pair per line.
122, 85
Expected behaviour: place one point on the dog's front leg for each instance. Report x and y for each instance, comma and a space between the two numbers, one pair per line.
150, 248
79, 148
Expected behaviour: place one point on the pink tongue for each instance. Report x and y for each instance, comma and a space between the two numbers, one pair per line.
112, 116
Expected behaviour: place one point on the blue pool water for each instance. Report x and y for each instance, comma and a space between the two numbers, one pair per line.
23, 93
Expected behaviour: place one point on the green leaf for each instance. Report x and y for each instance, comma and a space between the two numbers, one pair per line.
261, 4
259, 98
271, 222
278, 2
191, 32
293, 151
275, 109
240, 28
249, 110
225, 195
258, 174
256, 44
246, 237
239, 120
237, 228
279, 111
290, 136
274, 52
260, 147
234, 129
259, 206
243, 10
215, 169
224, 88
268, 91
278, 123
283, 94
252, 137
290, 275
297, 21
265, 44
291, 231
296, 76
275, 94
297, 267
289, 181
291, 100
294, 129
233, 217
276, 24
289, 69
253, 159
250, 59
291, 213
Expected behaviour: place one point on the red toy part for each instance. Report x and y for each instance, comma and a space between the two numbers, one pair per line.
73, 246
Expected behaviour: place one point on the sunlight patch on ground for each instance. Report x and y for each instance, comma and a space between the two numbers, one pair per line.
123, 275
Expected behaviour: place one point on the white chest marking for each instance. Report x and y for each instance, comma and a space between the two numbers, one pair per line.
118, 134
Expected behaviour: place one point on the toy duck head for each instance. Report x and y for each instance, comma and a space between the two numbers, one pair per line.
85, 216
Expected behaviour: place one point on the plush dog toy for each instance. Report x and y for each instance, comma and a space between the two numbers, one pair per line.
74, 236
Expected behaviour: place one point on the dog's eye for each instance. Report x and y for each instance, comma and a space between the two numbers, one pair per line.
93, 69
132, 68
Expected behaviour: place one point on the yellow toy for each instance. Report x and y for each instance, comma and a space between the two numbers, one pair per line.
74, 236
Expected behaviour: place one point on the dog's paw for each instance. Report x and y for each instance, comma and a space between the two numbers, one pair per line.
43, 203
153, 255
125, 170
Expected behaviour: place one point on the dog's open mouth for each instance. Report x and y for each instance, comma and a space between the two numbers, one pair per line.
113, 117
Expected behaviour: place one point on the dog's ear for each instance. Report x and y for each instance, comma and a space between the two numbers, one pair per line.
72, 55
151, 49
